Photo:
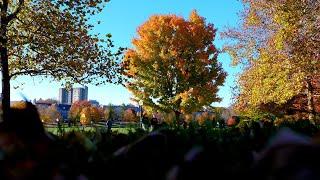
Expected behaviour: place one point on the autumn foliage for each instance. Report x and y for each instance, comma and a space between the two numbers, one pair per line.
19, 105
50, 114
84, 112
130, 115
47, 114
173, 65
204, 116
278, 44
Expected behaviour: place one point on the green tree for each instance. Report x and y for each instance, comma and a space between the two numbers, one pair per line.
278, 46
109, 113
123, 108
173, 65
51, 38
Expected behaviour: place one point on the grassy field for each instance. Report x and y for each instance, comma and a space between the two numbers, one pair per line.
55, 130
120, 127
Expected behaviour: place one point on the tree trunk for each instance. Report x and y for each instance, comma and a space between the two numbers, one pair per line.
311, 109
5, 83
4, 63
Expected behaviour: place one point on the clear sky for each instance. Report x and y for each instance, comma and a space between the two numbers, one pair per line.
121, 18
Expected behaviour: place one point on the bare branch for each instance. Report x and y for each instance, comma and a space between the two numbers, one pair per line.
39, 72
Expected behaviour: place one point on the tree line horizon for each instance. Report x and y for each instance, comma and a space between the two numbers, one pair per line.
173, 65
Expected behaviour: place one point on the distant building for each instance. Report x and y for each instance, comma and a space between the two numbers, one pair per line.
94, 103
119, 110
65, 96
72, 95
79, 94
64, 110
42, 105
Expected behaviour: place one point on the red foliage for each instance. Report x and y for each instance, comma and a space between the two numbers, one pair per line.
232, 121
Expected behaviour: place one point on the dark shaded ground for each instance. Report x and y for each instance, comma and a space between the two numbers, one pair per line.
196, 152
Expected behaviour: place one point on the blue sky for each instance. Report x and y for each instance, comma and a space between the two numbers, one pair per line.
121, 18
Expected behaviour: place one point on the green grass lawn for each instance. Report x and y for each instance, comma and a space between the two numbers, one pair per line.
122, 130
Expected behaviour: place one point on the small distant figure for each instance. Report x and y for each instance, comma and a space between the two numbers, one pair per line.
58, 123
109, 125
145, 122
69, 123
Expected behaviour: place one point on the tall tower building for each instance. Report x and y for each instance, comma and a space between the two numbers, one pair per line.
86, 92
80, 94
72, 95
65, 96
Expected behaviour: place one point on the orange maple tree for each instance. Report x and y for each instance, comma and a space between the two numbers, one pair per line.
173, 66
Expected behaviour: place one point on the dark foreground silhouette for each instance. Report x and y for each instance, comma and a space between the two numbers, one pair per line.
28, 152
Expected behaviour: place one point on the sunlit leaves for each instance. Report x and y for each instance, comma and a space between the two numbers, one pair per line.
278, 45
53, 39
76, 108
173, 65
90, 114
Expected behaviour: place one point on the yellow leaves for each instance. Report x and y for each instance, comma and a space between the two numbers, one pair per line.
195, 18
19, 105
85, 118
50, 114
90, 114
156, 66
204, 116
201, 99
272, 78
273, 46
84, 110
188, 117
253, 19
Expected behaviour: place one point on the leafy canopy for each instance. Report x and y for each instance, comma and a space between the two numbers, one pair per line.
53, 38
278, 45
173, 65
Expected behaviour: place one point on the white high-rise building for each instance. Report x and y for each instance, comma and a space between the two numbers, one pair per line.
73, 95
80, 94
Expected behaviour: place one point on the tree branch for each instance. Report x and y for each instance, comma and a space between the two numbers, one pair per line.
14, 14
39, 72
